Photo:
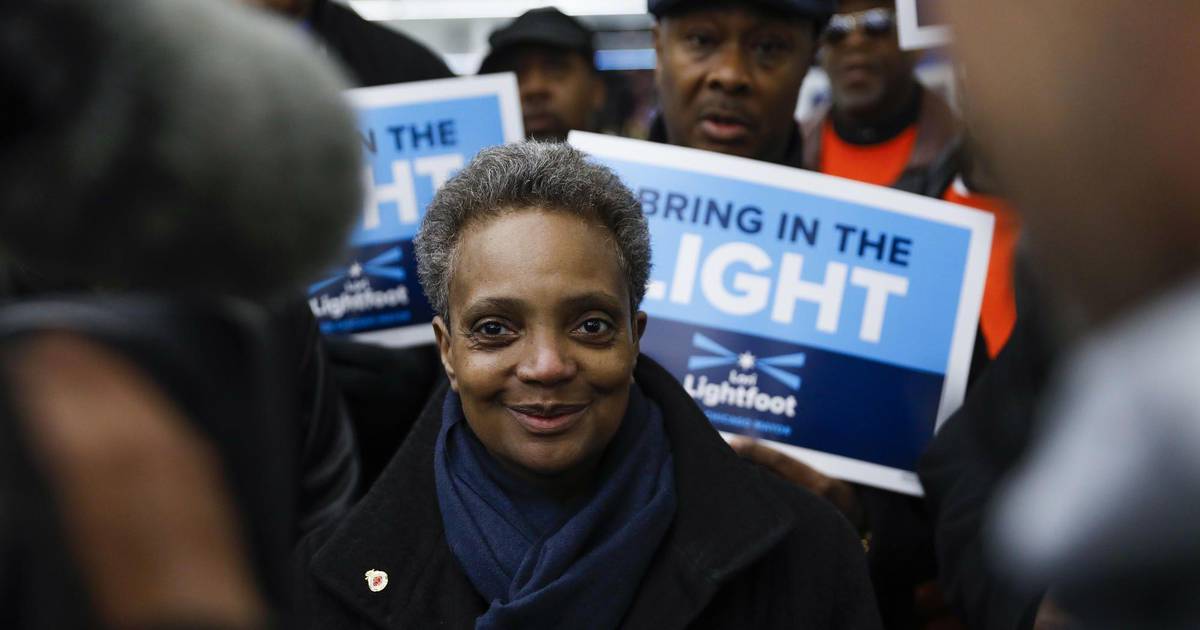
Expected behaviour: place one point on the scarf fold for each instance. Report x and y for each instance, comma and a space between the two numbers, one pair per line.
543, 564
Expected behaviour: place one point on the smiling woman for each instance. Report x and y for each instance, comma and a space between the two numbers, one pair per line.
559, 479
543, 344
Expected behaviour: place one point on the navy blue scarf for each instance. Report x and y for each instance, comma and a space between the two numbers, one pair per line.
542, 564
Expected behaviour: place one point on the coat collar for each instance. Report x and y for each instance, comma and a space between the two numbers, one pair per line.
397, 528
729, 515
727, 518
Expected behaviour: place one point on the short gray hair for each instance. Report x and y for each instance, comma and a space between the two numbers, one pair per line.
552, 176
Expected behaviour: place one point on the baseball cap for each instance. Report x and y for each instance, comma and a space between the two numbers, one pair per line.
546, 26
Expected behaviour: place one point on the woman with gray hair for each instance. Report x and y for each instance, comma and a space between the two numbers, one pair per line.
560, 479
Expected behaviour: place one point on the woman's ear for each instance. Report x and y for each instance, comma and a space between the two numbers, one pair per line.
639, 329
441, 332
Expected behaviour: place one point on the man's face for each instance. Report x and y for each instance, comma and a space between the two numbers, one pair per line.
1088, 110
868, 71
560, 90
729, 77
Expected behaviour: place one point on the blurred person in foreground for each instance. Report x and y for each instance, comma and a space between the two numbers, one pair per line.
157, 453
729, 74
384, 388
882, 126
159, 204
554, 60
1103, 510
561, 479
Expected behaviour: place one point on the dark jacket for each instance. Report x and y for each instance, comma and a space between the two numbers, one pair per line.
230, 369
974, 450
745, 550
374, 54
325, 453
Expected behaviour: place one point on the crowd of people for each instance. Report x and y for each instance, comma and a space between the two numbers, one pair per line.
180, 447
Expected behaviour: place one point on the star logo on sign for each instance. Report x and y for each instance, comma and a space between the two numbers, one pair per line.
356, 270
746, 361
777, 367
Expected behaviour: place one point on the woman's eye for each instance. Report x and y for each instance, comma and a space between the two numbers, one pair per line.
595, 327
491, 329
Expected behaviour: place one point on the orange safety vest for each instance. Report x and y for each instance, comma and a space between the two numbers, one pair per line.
999, 311
880, 164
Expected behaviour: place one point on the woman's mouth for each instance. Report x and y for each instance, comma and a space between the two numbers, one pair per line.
547, 419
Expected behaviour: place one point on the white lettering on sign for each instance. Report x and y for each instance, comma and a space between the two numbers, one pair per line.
827, 296
879, 286
754, 289
402, 190
749, 292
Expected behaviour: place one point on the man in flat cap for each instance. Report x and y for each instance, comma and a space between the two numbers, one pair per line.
553, 58
729, 74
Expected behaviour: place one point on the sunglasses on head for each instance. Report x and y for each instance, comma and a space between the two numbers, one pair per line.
873, 22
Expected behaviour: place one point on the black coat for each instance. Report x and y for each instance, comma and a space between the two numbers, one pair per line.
233, 371
974, 450
374, 54
745, 550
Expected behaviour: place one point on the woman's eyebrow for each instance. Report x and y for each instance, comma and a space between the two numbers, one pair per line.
593, 300
492, 304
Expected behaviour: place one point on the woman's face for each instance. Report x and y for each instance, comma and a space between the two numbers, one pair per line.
541, 343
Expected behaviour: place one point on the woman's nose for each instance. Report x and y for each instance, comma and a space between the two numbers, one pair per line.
547, 360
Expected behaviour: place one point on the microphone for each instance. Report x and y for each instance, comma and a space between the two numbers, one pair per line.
193, 146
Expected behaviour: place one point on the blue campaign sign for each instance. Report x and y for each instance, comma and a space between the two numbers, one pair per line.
833, 318
415, 136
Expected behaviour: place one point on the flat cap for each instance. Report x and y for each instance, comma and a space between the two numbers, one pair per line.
546, 26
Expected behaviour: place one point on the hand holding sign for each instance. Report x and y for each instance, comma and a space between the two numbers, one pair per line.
841, 494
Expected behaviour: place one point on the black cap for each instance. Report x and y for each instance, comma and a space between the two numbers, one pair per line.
816, 9
546, 26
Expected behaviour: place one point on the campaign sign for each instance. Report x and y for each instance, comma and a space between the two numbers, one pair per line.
415, 136
920, 24
835, 319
